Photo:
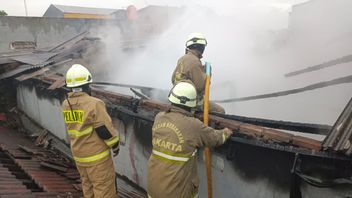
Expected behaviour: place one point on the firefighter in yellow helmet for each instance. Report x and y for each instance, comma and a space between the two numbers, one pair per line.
172, 167
189, 67
91, 134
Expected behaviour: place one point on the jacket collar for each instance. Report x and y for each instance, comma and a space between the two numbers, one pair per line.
76, 94
181, 111
195, 53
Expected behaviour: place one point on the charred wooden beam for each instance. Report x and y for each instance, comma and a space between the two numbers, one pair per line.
277, 124
147, 109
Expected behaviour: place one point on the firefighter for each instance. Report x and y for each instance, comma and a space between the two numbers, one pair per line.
189, 67
177, 135
91, 134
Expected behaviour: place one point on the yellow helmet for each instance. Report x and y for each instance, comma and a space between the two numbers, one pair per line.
183, 93
77, 76
196, 38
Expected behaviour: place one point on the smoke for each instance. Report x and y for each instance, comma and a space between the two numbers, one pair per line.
251, 45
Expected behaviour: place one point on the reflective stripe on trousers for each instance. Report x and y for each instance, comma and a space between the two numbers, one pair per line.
172, 157
93, 158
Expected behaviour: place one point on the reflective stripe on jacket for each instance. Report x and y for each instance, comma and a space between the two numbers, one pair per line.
82, 118
171, 157
172, 167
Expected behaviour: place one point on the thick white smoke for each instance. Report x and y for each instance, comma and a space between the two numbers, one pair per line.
250, 47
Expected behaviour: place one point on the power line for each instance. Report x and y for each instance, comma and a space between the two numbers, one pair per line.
336, 81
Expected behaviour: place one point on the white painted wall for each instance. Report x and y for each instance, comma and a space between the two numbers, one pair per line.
46, 112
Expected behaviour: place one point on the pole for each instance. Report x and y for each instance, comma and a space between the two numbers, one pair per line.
25, 7
206, 121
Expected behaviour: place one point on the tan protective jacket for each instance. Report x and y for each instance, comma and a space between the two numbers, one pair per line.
172, 167
87, 114
189, 67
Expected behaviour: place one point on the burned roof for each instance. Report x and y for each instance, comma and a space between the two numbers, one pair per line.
14, 63
144, 108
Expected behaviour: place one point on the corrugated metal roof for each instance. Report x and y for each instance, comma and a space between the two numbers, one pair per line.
340, 137
18, 70
34, 58
58, 55
85, 10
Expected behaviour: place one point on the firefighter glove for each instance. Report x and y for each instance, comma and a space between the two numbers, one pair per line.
115, 149
227, 133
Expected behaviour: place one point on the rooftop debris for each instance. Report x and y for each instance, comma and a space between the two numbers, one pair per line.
340, 137
42, 138
249, 130
14, 63
38, 171
21, 164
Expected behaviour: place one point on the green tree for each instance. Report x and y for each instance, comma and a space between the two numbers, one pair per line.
3, 13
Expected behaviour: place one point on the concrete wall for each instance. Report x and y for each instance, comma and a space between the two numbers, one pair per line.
44, 111
47, 32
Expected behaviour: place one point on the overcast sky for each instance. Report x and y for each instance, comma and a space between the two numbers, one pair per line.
38, 7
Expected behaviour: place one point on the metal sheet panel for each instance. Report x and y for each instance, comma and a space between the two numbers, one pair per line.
18, 70
34, 59
340, 137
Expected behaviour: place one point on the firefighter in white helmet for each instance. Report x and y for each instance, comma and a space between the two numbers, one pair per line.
189, 67
177, 135
91, 134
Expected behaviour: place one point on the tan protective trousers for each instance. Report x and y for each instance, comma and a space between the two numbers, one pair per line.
99, 181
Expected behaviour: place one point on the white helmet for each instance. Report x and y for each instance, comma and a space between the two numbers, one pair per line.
183, 93
196, 38
77, 76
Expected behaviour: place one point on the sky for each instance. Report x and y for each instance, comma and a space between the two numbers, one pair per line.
38, 7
